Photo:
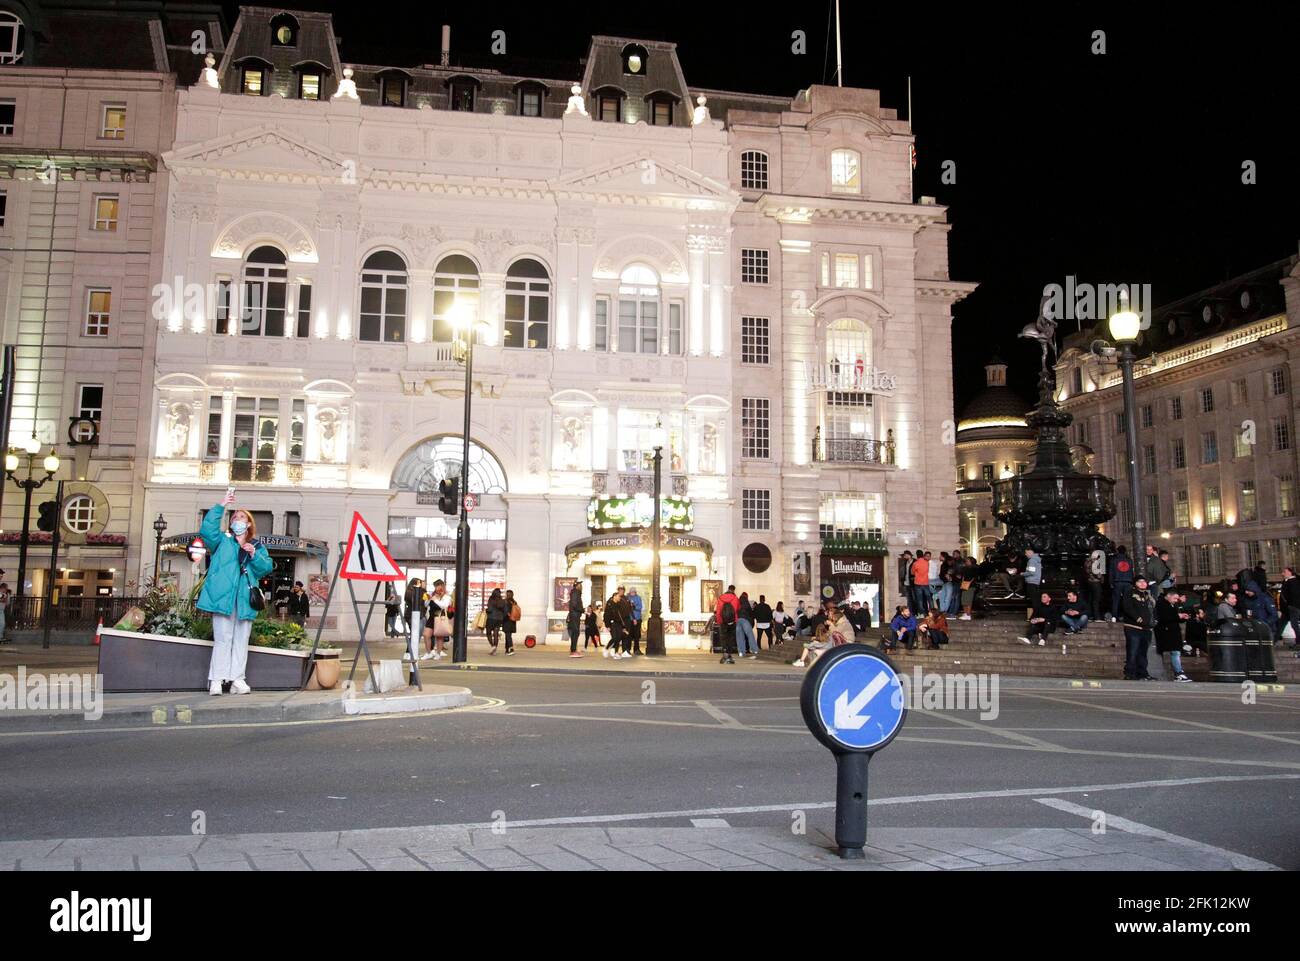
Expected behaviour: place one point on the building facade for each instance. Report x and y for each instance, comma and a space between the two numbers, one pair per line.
1217, 450
82, 197
993, 442
739, 280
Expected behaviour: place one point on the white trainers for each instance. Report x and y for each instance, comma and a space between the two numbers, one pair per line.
1183, 678
427, 656
798, 663
240, 687
214, 688
625, 655
1042, 642
604, 652
964, 617
1025, 639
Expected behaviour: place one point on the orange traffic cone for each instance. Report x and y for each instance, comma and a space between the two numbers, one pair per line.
98, 627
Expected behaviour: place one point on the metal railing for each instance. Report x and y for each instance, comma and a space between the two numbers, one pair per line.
852, 450
69, 613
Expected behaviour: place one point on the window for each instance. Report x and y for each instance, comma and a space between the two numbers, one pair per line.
754, 421
1175, 408
7, 110
212, 450
1182, 509
1237, 391
609, 107
1076, 381
638, 432
530, 100
13, 38
221, 322
254, 438
753, 265
90, 405
455, 288
1081, 429
114, 126
638, 310
528, 305
1281, 434
846, 270
1207, 400
846, 172
1213, 506
755, 510
1286, 496
1119, 423
634, 59
601, 324
849, 427
851, 515
1178, 455
284, 30
297, 431
753, 170
392, 90
252, 80
309, 85
1248, 508
1209, 448
848, 353
1147, 417
4, 204
661, 112
961, 475
1241, 447
676, 342
754, 333
462, 95
105, 212
1153, 511
304, 310
1277, 381
986, 473
99, 308
383, 298
79, 514
1149, 459
266, 283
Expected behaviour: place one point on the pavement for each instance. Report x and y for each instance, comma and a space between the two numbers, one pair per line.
613, 771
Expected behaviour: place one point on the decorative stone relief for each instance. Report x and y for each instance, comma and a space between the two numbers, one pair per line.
238, 235
535, 453
658, 253
179, 416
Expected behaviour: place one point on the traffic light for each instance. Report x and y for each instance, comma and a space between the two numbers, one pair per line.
449, 495
47, 519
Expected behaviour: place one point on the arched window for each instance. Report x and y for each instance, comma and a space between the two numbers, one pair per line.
848, 353
848, 426
392, 88
254, 76
659, 108
635, 60
846, 172
638, 310
455, 292
438, 458
528, 305
13, 38
284, 30
266, 281
753, 170
383, 298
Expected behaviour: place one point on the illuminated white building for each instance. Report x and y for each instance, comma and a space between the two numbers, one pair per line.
647, 261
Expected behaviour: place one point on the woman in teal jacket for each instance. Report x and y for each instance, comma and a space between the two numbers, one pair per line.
239, 562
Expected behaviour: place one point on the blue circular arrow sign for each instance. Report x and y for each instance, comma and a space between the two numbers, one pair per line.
853, 699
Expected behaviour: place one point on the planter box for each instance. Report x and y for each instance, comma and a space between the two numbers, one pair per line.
130, 661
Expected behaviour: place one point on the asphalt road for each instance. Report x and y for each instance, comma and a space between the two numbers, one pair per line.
540, 747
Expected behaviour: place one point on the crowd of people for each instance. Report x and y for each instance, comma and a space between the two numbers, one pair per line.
434, 607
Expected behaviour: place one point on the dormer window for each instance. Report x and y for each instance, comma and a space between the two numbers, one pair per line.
13, 38
609, 104
254, 77
531, 98
634, 60
460, 93
284, 31
392, 89
659, 109
311, 80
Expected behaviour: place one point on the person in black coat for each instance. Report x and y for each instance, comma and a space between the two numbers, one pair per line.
1043, 619
1170, 617
763, 622
299, 604
575, 619
1290, 606
1138, 610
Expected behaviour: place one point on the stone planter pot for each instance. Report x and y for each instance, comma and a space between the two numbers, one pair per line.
131, 661
326, 669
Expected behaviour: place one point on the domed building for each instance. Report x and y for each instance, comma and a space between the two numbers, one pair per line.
993, 441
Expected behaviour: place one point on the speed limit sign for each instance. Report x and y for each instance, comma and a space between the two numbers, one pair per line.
471, 502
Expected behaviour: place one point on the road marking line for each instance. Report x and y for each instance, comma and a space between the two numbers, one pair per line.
1241, 862
709, 823
990, 729
722, 717
1171, 720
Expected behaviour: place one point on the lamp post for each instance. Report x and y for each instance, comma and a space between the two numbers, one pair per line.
1124, 328
654, 629
463, 320
51, 465
159, 526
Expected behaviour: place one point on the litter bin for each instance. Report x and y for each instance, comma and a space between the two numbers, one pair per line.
1227, 652
1257, 648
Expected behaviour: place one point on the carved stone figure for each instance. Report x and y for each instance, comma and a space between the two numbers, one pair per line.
572, 434
327, 422
708, 449
178, 428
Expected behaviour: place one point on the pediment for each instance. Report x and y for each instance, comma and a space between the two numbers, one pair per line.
644, 174
262, 153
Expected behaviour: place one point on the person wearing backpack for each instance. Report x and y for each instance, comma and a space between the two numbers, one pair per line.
1121, 580
727, 613
1096, 570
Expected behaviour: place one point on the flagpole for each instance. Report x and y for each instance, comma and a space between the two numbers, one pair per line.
911, 167
839, 62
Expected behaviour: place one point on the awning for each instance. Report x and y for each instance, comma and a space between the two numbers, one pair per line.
637, 541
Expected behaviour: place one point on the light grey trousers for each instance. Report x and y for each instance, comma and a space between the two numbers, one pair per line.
230, 652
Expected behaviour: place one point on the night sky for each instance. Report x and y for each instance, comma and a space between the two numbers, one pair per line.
1120, 168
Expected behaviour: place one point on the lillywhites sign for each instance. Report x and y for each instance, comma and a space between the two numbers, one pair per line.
851, 567
844, 376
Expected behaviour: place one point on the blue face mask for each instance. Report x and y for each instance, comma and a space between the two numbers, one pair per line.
238, 527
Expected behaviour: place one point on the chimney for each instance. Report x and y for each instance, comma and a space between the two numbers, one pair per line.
446, 44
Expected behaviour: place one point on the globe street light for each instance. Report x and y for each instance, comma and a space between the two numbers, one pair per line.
1124, 328
51, 464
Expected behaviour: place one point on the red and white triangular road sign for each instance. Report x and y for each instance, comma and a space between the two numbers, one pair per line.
366, 558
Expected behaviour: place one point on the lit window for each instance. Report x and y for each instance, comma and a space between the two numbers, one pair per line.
114, 122
284, 31
1182, 509
1238, 391
528, 305
455, 287
638, 310
106, 213
309, 86
1248, 508
1286, 496
846, 174
251, 81
99, 303
846, 270
1213, 506
253, 441
79, 514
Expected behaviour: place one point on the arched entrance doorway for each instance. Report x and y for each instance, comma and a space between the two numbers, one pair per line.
423, 540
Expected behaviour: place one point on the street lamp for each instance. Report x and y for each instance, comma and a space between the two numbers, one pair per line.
159, 526
654, 629
462, 320
51, 465
1124, 328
